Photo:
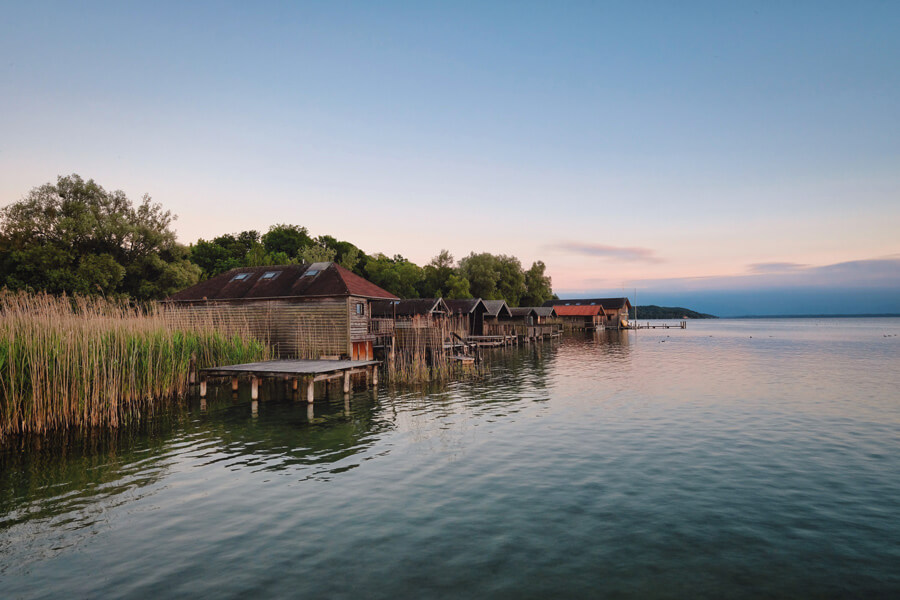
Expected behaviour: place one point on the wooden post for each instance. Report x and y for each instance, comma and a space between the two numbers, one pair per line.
347, 382
295, 384
310, 412
192, 370
203, 386
202, 404
375, 375
254, 387
311, 390
254, 408
234, 384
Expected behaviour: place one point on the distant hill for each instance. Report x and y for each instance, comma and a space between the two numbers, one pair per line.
652, 311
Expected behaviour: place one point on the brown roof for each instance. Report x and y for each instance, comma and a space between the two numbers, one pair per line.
326, 279
544, 311
523, 311
408, 308
578, 311
464, 307
607, 303
496, 308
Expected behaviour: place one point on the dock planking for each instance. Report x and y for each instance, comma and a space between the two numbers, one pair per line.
293, 369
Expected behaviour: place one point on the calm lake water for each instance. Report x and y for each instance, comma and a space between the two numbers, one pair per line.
737, 458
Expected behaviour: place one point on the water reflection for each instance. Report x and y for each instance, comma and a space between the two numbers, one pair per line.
568, 468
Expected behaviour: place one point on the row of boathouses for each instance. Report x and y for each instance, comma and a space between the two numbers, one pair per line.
323, 310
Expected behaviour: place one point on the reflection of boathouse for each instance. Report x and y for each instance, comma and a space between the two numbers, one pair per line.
306, 311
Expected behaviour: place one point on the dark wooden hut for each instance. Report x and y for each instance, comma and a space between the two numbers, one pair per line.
307, 311
473, 309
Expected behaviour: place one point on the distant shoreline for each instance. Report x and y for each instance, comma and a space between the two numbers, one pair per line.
841, 316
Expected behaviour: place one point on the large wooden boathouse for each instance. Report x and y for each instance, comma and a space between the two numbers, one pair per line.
318, 310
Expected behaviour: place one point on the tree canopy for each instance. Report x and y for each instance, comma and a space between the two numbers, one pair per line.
75, 237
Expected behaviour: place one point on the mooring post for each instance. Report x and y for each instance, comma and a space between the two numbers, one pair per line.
203, 386
375, 375
254, 387
310, 412
346, 382
192, 369
311, 390
254, 408
295, 384
234, 384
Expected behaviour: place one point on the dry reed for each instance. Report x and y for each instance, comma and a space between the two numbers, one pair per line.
87, 362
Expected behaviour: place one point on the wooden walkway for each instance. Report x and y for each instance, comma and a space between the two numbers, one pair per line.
292, 370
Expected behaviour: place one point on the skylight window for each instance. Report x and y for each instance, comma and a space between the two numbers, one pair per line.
270, 274
240, 277
310, 273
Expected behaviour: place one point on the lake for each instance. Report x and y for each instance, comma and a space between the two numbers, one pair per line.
736, 458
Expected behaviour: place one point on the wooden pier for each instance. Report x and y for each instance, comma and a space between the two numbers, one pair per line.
310, 371
679, 325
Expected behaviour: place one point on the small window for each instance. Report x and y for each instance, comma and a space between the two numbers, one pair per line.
310, 273
270, 274
360, 308
240, 277
593, 303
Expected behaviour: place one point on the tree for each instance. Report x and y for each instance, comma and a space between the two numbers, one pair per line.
75, 237
511, 281
396, 275
483, 274
286, 239
436, 276
538, 288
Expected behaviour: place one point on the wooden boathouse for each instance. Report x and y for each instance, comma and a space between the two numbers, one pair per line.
307, 311
614, 311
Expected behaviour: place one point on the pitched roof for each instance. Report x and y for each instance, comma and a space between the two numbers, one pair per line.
408, 308
325, 279
607, 303
464, 307
578, 311
523, 311
545, 311
497, 308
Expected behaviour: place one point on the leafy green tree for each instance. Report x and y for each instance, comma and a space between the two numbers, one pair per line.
511, 282
289, 240
457, 287
316, 253
75, 237
345, 254
436, 276
396, 275
538, 287
483, 273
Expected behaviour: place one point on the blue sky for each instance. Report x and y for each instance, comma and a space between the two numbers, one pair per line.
683, 149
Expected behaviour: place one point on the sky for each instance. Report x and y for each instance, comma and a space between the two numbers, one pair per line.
734, 158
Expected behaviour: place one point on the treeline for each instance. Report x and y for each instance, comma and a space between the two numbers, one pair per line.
651, 311
75, 237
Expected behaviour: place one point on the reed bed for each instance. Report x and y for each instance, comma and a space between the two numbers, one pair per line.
90, 362
419, 355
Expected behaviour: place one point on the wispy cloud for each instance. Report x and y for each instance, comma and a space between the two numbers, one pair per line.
631, 254
776, 267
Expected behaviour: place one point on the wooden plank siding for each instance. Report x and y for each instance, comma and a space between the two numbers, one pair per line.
299, 329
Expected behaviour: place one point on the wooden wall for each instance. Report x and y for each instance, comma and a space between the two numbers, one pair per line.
307, 329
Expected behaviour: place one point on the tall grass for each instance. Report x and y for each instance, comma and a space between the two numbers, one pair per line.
420, 356
87, 362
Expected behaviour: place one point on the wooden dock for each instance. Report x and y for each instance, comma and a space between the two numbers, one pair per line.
679, 325
310, 371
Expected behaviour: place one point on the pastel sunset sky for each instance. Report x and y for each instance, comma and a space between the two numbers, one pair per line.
732, 157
